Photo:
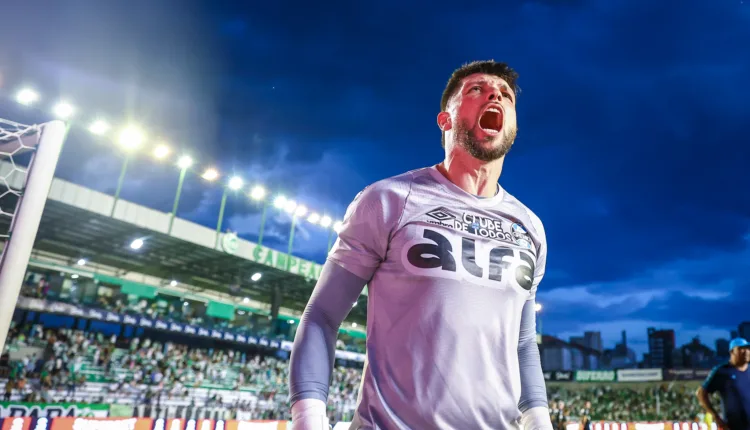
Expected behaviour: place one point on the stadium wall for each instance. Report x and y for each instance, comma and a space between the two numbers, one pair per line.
72, 423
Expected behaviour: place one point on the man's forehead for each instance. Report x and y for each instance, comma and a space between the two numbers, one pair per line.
478, 78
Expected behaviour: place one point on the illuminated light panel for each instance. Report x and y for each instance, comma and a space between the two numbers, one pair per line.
210, 174
161, 152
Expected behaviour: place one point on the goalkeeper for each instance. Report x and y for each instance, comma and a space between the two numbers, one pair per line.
453, 262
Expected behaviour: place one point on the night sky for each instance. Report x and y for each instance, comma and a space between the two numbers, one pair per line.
634, 126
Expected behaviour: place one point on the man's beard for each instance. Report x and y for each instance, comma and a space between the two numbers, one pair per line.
473, 145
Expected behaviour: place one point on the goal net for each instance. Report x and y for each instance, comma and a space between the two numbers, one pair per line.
28, 157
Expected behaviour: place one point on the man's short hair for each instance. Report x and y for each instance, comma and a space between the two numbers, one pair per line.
489, 67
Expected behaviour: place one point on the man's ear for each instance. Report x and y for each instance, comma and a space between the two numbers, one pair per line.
444, 121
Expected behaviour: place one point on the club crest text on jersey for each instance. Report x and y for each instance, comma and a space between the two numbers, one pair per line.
480, 226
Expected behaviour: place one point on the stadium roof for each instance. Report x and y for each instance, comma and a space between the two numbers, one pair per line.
77, 224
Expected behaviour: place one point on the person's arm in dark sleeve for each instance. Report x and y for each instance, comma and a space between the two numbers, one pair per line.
361, 246
315, 342
704, 398
533, 401
313, 353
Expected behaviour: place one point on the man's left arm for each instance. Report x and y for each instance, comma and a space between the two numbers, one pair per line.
533, 403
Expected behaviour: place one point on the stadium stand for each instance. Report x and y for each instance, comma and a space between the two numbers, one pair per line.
64, 365
160, 373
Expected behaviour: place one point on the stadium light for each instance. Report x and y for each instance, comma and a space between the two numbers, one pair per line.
27, 96
313, 218
246, 300
63, 110
184, 162
280, 202
75, 276
256, 276
81, 262
235, 183
258, 193
300, 211
173, 283
290, 206
210, 174
99, 127
291, 321
161, 152
131, 138
538, 307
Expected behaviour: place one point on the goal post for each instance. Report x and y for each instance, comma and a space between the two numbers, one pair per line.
28, 188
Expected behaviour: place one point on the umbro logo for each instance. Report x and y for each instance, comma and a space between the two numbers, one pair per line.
439, 214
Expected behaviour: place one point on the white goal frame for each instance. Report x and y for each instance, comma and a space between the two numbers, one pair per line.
47, 140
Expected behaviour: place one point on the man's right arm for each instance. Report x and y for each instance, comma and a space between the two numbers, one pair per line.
703, 395
313, 353
361, 246
315, 342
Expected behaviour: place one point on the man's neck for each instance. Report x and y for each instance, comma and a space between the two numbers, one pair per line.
740, 367
471, 175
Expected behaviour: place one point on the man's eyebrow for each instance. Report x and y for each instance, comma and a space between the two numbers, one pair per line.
475, 82
485, 82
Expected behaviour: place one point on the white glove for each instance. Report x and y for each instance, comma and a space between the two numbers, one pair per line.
536, 419
309, 414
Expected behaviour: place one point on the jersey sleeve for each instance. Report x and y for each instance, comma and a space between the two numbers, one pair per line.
367, 227
711, 384
541, 256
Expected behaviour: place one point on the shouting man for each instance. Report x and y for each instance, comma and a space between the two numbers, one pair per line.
453, 262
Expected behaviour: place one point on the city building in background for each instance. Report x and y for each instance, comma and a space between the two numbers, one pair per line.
744, 329
722, 349
593, 340
557, 354
661, 345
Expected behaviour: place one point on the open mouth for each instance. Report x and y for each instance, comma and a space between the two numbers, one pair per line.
491, 120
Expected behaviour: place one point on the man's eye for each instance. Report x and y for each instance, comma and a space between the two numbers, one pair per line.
508, 96
476, 88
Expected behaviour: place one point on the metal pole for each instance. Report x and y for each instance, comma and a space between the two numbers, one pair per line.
291, 243
25, 223
176, 200
330, 238
541, 333
263, 221
120, 182
221, 215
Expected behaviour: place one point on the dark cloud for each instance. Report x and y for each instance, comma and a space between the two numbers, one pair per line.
695, 311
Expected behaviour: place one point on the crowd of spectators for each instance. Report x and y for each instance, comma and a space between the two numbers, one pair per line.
651, 402
163, 307
152, 372
35, 375
157, 371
